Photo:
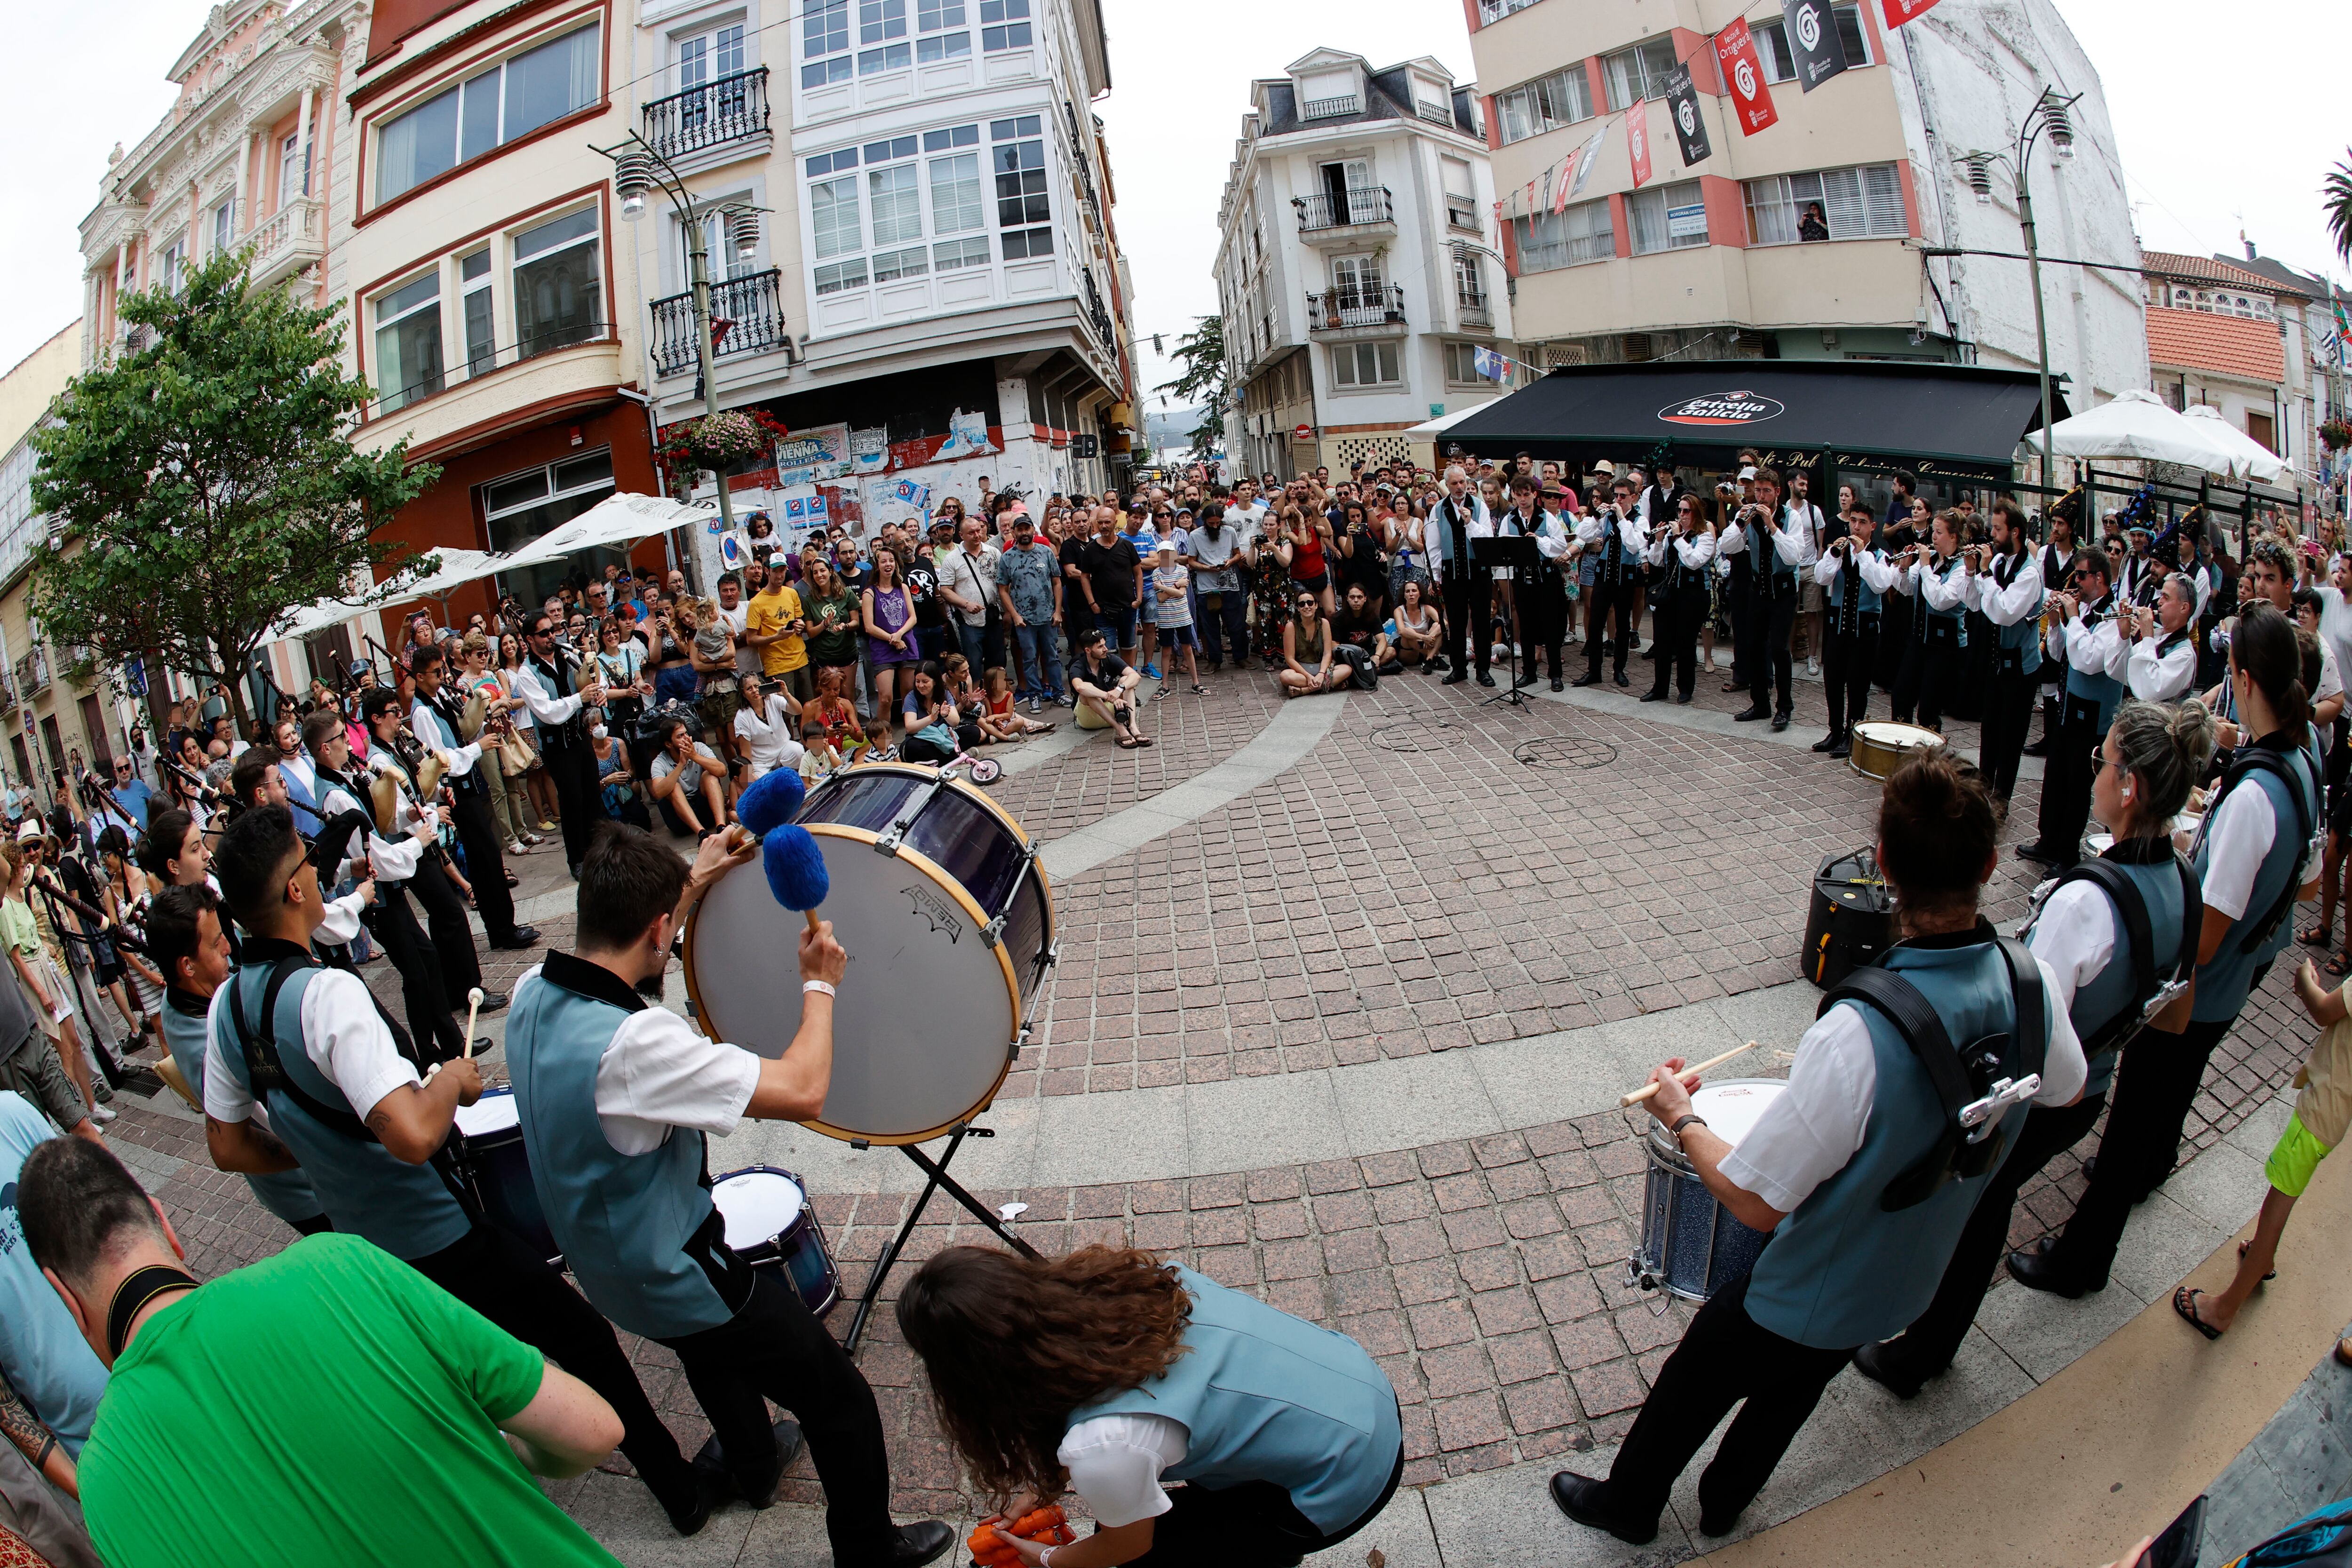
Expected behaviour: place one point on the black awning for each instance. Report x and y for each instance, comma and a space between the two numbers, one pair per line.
1964, 421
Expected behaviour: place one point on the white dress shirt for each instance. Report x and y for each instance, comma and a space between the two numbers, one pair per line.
2160, 676
434, 731
543, 706
1693, 552
388, 860
1942, 589
1878, 574
1632, 533
657, 1073
2096, 650
1794, 546
343, 1035
1438, 532
2005, 607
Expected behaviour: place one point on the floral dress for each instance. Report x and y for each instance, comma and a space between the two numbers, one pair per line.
1270, 591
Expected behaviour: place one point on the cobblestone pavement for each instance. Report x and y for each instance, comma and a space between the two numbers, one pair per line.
1416, 885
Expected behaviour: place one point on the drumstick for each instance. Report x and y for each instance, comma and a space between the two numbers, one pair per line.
1648, 1090
473, 1006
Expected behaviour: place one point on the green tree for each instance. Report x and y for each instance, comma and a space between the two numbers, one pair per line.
1208, 377
2335, 191
206, 481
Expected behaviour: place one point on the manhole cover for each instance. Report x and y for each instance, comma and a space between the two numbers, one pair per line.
1564, 751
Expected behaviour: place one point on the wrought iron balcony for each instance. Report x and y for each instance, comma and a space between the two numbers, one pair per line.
32, 674
1357, 209
1343, 309
731, 109
747, 317
1474, 312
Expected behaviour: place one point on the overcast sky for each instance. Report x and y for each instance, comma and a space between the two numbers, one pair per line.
2221, 128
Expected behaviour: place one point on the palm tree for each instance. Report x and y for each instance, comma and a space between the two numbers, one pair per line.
2336, 192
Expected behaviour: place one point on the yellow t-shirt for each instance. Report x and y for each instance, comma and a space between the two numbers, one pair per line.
771, 610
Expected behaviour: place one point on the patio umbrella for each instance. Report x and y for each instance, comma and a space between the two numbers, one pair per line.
2256, 458
2138, 426
621, 519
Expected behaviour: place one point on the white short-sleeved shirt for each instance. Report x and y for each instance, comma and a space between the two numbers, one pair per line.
657, 1073
2236, 840
1115, 1462
1810, 1132
342, 1034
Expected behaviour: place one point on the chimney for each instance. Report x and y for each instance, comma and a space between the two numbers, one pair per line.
2248, 244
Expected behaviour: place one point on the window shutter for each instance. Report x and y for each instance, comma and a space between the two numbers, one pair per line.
1842, 200
1882, 200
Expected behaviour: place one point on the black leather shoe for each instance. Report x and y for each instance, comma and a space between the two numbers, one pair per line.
691, 1514
493, 1001
1558, 684
2033, 852
1843, 750
1584, 1500
517, 940
1716, 1524
1653, 695
920, 1543
1779, 722
1826, 741
1683, 697
1526, 677
1876, 1363
1622, 680
1751, 713
1456, 679
1485, 677
2038, 749
1591, 677
712, 1459
2036, 1272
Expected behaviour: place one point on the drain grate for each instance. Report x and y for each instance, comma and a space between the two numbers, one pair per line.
1445, 735
1564, 751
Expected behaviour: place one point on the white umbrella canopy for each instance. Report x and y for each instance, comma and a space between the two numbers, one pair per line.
457, 568
2257, 459
1444, 422
2138, 426
617, 520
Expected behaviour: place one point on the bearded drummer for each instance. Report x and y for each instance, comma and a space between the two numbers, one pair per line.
616, 1096
1861, 1119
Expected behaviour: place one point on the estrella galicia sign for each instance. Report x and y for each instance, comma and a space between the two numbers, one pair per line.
1724, 408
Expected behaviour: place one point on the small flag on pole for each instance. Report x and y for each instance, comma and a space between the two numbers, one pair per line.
1490, 364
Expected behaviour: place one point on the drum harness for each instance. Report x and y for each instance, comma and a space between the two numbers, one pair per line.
2152, 993
1975, 1100
2247, 761
266, 1072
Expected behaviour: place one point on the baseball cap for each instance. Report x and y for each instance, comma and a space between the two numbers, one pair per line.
1749, 472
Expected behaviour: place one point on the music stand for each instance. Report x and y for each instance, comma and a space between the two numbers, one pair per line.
936, 1174
1514, 554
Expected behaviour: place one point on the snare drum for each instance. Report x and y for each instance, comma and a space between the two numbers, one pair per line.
1690, 1243
497, 1170
1880, 746
949, 922
770, 1226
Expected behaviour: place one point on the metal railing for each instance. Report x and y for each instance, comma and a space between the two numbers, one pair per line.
1324, 210
727, 110
32, 674
1473, 310
1330, 108
1343, 308
751, 306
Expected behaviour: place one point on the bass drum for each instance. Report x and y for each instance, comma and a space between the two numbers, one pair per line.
949, 922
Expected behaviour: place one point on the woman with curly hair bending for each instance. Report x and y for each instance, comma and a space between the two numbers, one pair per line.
1107, 1372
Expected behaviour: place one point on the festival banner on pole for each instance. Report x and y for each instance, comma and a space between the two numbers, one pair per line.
1584, 159
1637, 140
1560, 181
1898, 12
1813, 36
1682, 104
1735, 49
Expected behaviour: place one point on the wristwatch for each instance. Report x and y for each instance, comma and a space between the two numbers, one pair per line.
1685, 1120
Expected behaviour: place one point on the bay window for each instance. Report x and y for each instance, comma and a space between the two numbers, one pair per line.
510, 100
408, 342
559, 286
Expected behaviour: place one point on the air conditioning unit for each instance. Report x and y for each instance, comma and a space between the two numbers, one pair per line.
1638, 348
1558, 354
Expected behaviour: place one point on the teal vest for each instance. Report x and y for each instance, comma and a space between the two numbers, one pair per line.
1956, 618
638, 1231
285, 1194
1264, 1396
410, 1211
2109, 992
1841, 1270
1851, 596
2222, 984
2104, 690
2023, 640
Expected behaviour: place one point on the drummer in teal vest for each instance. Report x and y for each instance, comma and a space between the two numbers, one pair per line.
1861, 1122
1108, 1373
615, 1097
187, 942
367, 1118
2152, 754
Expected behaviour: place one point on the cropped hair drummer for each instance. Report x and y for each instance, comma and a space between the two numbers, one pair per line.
615, 1097
1862, 1171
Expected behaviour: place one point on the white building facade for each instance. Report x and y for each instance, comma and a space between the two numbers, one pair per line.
1358, 271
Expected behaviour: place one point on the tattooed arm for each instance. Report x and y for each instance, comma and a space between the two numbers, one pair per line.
40, 1444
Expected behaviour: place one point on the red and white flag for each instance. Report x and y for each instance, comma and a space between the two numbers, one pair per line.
1559, 184
1898, 12
1751, 100
1637, 140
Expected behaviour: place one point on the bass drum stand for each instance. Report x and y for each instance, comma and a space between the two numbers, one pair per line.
936, 1176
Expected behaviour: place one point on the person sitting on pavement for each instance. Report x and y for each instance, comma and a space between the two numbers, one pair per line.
1104, 685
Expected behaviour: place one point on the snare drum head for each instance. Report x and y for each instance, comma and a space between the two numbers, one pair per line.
1894, 736
757, 1206
926, 1013
494, 1113
1730, 1107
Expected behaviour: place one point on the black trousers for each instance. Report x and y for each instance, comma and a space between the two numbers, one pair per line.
1674, 626
1543, 617
1763, 654
1725, 1356
444, 916
1929, 1345
485, 865
498, 1274
2155, 1086
1253, 1525
1227, 621
572, 765
1469, 598
1929, 668
1849, 662
2066, 780
1616, 603
775, 1349
393, 922
2008, 716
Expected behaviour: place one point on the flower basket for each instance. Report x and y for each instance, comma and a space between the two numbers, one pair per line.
717, 442
2335, 435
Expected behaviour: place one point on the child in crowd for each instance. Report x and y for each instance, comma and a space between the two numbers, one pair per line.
1172, 611
878, 747
999, 719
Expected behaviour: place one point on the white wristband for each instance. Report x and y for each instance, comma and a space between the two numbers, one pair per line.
808, 985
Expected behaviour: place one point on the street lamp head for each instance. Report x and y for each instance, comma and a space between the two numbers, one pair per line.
2056, 114
633, 176
743, 232
1979, 177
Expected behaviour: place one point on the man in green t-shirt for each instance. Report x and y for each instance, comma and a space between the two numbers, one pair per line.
774, 622
328, 1406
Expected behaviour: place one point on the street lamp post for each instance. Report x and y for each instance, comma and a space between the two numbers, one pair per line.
2051, 113
638, 169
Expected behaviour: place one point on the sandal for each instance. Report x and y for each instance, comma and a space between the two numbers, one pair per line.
1129, 742
2317, 936
2243, 1247
1143, 739
2336, 963
2184, 1301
